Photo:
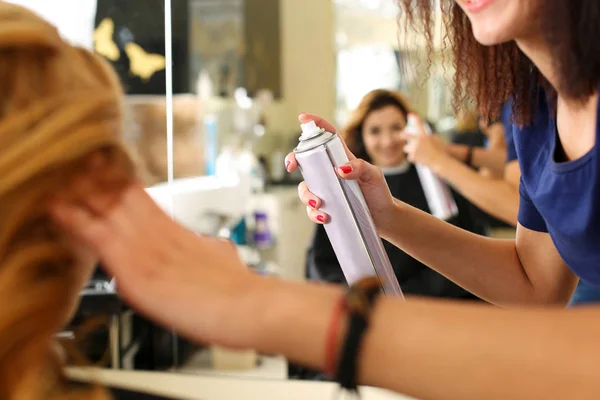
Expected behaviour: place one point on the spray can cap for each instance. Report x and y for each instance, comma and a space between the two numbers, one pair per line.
309, 130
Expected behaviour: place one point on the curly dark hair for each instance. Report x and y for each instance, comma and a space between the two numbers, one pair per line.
490, 75
372, 101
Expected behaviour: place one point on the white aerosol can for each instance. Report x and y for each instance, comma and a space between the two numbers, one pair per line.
439, 197
350, 227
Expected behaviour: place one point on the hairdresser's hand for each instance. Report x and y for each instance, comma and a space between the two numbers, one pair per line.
369, 177
197, 285
423, 148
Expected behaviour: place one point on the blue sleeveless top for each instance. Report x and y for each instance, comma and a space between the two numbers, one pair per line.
561, 198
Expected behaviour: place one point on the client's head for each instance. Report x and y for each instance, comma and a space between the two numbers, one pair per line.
374, 129
60, 108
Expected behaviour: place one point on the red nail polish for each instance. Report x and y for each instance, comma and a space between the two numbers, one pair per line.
320, 218
312, 203
346, 169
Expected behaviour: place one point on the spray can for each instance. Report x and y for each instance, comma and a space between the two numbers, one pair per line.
350, 228
439, 197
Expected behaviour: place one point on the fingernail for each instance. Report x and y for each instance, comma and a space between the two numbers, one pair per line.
320, 218
346, 169
313, 204
287, 166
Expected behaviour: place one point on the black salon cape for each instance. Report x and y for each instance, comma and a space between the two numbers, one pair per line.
414, 277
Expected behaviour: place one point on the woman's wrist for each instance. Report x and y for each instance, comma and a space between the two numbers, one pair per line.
458, 151
393, 219
441, 163
280, 316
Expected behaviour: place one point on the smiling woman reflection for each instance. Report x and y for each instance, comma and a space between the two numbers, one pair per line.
374, 133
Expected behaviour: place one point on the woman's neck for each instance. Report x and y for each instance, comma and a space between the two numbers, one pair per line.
576, 120
538, 51
396, 169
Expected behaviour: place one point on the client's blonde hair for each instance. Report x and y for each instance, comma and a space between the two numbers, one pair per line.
59, 105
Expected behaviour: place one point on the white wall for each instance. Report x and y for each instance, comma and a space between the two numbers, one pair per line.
73, 18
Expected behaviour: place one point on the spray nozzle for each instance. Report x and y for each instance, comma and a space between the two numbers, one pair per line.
309, 130
412, 125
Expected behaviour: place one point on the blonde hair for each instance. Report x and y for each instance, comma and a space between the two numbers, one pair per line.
59, 105
372, 101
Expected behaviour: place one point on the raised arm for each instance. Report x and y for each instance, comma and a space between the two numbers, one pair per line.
504, 272
444, 351
492, 159
497, 197
424, 348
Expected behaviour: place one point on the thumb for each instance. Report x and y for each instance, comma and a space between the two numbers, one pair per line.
79, 223
407, 136
320, 122
409, 147
328, 126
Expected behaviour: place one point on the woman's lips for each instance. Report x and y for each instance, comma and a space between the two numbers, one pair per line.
475, 5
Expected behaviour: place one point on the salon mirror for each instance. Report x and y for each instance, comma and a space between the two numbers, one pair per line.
212, 93
251, 67
130, 36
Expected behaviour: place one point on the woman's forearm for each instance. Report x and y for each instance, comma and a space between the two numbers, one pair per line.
495, 196
469, 351
491, 159
490, 268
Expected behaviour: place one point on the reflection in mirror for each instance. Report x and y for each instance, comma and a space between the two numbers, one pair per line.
253, 66
132, 38
237, 44
219, 123
147, 135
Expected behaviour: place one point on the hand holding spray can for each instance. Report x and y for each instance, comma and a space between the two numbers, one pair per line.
438, 194
350, 228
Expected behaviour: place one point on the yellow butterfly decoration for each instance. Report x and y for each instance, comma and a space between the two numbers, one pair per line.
143, 64
103, 42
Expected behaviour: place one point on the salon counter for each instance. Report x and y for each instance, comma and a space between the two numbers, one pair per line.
193, 387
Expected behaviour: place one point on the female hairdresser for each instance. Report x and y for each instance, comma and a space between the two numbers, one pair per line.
424, 348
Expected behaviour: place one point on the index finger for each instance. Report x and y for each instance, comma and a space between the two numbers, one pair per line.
320, 122
328, 126
290, 162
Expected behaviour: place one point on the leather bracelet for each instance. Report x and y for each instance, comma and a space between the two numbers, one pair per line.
360, 300
331, 340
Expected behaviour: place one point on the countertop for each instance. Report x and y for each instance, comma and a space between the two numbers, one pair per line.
193, 387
